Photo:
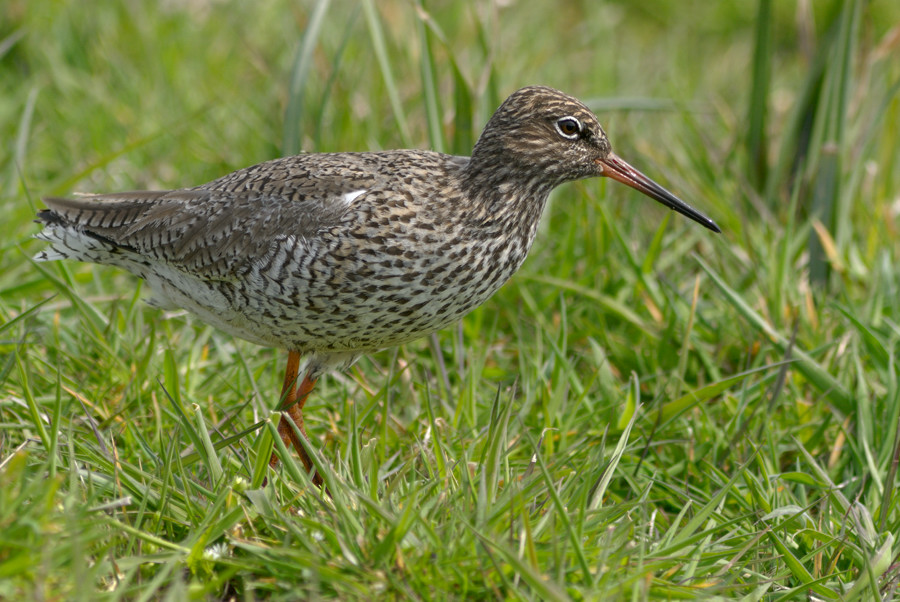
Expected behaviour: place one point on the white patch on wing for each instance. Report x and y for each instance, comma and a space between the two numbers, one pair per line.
349, 197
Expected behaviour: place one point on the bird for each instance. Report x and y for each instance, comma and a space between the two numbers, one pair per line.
335, 255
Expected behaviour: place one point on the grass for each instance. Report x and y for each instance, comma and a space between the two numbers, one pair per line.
647, 411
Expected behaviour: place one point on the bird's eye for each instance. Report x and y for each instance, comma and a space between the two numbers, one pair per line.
568, 127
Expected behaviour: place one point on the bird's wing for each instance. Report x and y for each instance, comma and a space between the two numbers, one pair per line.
209, 232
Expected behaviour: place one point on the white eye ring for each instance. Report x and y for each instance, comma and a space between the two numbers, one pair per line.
569, 127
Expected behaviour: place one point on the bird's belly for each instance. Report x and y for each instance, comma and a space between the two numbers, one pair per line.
356, 302
211, 302
358, 316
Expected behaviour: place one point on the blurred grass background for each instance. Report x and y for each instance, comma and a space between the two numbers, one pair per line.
647, 411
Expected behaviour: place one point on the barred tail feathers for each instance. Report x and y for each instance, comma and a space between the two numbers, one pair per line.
84, 228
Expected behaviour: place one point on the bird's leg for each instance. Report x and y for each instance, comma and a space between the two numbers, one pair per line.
287, 432
292, 402
288, 398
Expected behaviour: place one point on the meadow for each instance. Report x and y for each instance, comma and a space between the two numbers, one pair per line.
647, 410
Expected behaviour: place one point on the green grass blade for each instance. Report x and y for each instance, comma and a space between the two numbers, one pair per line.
300, 73
759, 96
816, 374
382, 54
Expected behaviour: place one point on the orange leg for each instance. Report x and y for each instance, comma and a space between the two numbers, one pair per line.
292, 402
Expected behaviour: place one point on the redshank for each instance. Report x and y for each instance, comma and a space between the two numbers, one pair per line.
333, 255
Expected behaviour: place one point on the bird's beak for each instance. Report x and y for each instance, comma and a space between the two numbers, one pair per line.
617, 169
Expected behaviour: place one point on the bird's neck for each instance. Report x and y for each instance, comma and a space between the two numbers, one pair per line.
506, 204
501, 186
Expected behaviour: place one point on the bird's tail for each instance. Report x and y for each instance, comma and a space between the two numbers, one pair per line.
80, 228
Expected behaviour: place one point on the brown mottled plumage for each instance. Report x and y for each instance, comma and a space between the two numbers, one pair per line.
338, 254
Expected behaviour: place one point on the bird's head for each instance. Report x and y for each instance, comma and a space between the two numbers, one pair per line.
544, 137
